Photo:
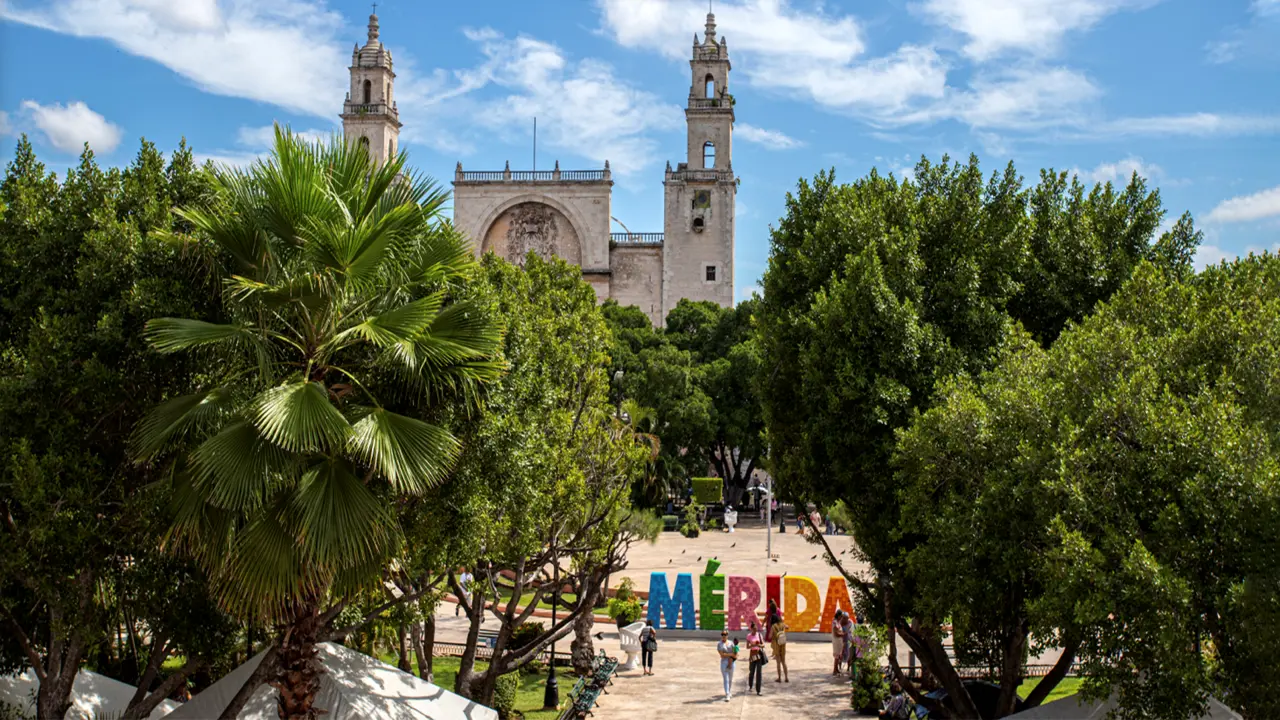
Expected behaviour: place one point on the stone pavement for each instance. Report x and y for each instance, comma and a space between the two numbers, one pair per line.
686, 684
740, 553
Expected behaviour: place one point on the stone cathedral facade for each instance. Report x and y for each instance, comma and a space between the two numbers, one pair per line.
567, 213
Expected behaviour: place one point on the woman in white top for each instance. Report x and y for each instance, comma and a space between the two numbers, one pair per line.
728, 656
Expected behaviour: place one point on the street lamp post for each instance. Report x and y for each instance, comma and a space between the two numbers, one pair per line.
551, 697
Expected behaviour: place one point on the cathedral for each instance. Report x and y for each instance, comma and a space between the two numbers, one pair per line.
567, 213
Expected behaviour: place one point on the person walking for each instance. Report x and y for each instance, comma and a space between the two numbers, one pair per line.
846, 627
837, 642
728, 656
771, 616
464, 582
648, 646
755, 650
778, 631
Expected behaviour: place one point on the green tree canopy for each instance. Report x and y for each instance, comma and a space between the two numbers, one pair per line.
83, 266
342, 319
878, 290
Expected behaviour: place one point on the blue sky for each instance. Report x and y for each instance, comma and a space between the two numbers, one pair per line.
1184, 91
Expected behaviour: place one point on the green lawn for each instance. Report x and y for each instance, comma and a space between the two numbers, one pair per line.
1068, 686
528, 699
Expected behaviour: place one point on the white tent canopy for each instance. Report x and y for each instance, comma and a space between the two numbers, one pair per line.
92, 696
353, 687
1073, 707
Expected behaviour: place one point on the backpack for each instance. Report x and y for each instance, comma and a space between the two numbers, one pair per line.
903, 711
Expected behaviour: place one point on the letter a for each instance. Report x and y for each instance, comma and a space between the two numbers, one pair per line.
837, 598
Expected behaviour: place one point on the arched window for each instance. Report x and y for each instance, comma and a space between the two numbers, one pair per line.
709, 155
364, 143
391, 149
711, 86
387, 97
368, 92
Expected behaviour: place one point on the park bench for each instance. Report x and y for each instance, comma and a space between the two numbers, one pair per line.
589, 688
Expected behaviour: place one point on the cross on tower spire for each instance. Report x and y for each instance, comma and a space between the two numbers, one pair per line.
373, 25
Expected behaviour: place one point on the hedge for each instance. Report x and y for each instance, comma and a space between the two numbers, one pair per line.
708, 490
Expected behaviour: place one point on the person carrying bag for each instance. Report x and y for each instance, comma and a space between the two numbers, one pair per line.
648, 646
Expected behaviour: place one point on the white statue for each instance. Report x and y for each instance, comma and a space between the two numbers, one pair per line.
730, 518
629, 640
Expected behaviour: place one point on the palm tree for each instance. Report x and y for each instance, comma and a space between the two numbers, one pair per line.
346, 324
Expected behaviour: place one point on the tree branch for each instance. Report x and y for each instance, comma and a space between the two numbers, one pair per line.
267, 668
1071, 645
141, 708
25, 642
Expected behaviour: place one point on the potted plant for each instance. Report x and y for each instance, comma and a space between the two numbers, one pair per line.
624, 606
691, 514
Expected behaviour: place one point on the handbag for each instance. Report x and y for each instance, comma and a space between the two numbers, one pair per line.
650, 643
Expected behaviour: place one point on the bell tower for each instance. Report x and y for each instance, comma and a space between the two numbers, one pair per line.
369, 115
699, 194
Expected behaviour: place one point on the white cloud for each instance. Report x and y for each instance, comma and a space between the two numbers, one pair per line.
69, 127
1025, 97
771, 139
581, 106
809, 54
1031, 26
181, 14
1196, 124
5, 128
282, 52
1263, 204
1266, 7
1120, 171
1220, 52
1207, 255
765, 29
265, 136
255, 143
746, 291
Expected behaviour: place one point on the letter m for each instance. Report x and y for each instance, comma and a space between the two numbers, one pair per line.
663, 602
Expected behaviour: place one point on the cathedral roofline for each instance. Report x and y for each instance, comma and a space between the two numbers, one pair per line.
539, 177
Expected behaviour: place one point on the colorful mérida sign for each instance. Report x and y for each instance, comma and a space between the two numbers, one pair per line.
731, 602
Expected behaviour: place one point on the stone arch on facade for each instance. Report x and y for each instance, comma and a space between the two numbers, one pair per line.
572, 250
579, 250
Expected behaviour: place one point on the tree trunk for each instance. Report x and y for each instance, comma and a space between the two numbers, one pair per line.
404, 663
467, 664
1011, 669
582, 650
1071, 645
424, 662
54, 697
298, 677
264, 672
141, 707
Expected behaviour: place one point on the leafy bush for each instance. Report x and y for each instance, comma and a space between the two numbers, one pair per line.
708, 490
670, 522
690, 527
625, 611
626, 588
526, 633
504, 694
870, 690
